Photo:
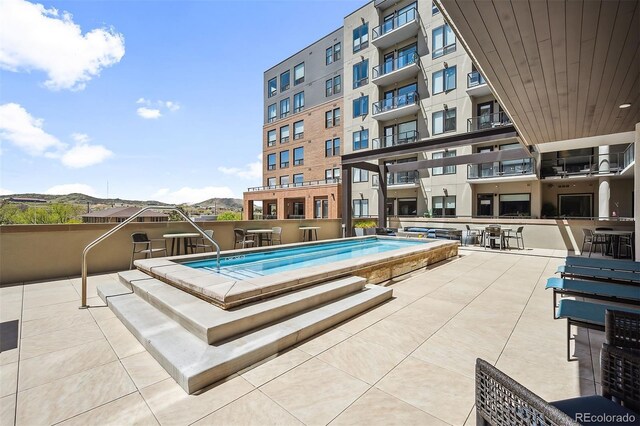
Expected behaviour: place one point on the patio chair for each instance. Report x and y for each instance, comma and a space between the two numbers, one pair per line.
472, 236
518, 237
627, 242
491, 235
593, 240
202, 243
500, 400
276, 236
143, 245
242, 238
622, 329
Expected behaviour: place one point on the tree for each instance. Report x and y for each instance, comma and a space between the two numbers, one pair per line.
230, 216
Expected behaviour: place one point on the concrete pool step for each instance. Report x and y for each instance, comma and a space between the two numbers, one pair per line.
195, 364
212, 324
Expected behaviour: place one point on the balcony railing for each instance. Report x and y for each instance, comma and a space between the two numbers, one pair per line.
295, 185
403, 178
397, 22
396, 102
396, 139
585, 165
628, 156
501, 169
397, 64
474, 78
488, 121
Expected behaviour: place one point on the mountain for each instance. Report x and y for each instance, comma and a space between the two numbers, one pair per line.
222, 203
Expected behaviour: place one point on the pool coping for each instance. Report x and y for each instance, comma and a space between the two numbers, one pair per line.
228, 293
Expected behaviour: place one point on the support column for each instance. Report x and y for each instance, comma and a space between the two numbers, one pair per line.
346, 200
382, 195
603, 159
604, 193
308, 207
247, 209
636, 190
281, 212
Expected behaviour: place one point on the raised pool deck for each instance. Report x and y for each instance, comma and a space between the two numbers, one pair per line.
227, 292
409, 361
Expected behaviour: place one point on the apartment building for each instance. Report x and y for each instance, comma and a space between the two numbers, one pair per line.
302, 135
422, 134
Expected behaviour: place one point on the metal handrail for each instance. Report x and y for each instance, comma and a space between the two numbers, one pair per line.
120, 226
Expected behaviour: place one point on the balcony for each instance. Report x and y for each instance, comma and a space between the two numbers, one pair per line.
403, 179
393, 140
401, 27
586, 165
401, 68
514, 170
398, 106
295, 185
488, 121
477, 85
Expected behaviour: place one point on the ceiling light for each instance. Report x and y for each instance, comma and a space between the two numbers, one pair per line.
623, 106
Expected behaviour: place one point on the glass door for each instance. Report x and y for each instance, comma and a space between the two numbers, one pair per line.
387, 104
484, 206
485, 111
388, 136
388, 63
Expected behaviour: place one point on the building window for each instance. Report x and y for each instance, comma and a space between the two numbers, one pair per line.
284, 159
298, 179
443, 41
332, 118
515, 205
575, 205
330, 174
329, 55
298, 102
298, 74
375, 180
361, 73
360, 175
271, 137
298, 130
332, 147
407, 206
328, 87
444, 80
298, 156
271, 162
298, 210
284, 180
360, 208
444, 121
337, 84
321, 210
271, 113
337, 51
434, 9
284, 134
271, 182
446, 170
361, 37
273, 87
360, 106
284, 107
361, 139
285, 78
443, 206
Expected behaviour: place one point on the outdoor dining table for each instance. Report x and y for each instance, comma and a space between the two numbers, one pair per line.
309, 232
180, 236
615, 237
263, 234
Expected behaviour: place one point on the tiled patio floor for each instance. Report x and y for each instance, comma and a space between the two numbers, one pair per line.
409, 361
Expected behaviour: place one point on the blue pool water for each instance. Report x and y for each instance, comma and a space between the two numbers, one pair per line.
280, 260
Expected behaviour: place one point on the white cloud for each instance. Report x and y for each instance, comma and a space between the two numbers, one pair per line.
249, 171
172, 106
18, 127
70, 188
191, 195
26, 132
36, 38
149, 113
5, 191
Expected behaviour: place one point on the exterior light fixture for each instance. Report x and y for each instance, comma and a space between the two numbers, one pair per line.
624, 106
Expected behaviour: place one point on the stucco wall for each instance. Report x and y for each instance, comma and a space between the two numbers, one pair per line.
38, 252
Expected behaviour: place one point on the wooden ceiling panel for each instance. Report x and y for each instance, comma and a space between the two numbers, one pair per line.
559, 68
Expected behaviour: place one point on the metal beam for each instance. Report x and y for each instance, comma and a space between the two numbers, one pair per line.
346, 200
484, 157
382, 195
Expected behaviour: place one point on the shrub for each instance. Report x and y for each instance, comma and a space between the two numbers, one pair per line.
366, 224
229, 216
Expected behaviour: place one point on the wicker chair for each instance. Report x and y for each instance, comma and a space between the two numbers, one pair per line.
622, 329
242, 239
143, 245
201, 243
501, 401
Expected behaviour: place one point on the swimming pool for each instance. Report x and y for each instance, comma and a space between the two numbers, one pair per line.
252, 274
281, 260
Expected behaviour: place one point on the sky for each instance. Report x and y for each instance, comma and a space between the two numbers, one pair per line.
144, 100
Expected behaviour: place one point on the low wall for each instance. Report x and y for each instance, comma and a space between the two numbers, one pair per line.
538, 233
40, 252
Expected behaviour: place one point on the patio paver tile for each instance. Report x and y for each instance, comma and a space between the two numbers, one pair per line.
144, 369
128, 410
275, 366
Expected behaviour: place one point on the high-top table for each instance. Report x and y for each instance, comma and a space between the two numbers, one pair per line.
615, 238
181, 236
309, 232
263, 234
